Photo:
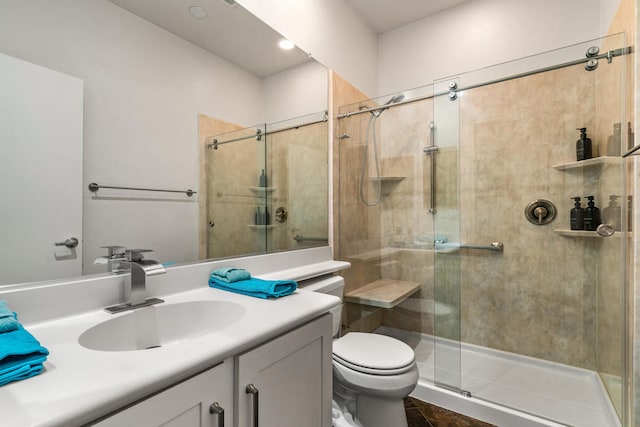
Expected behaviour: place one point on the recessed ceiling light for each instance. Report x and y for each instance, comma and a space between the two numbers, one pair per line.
197, 12
286, 44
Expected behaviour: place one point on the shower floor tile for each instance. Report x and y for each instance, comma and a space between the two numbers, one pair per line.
561, 393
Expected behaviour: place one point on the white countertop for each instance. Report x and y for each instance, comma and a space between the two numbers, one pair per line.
80, 385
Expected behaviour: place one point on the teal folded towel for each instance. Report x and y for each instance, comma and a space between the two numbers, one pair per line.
8, 320
256, 287
230, 275
21, 356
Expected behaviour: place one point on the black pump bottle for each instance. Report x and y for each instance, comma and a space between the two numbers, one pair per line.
577, 215
591, 215
583, 146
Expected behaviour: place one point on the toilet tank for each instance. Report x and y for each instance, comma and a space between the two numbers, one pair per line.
332, 285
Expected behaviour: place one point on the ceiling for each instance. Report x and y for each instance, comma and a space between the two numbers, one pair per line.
385, 15
232, 33
228, 31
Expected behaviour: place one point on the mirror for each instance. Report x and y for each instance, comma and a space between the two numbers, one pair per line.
138, 74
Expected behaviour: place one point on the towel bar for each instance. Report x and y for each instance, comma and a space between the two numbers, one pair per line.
95, 187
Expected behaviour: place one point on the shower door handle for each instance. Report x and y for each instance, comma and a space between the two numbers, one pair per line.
431, 150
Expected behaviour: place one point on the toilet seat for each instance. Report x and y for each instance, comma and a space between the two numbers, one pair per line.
373, 354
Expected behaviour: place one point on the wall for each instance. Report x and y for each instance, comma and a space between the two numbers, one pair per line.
329, 31
481, 33
295, 92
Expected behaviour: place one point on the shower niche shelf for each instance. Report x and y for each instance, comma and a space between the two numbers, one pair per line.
596, 162
383, 293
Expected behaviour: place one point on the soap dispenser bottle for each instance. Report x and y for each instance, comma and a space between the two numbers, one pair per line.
612, 214
259, 220
263, 179
591, 215
614, 141
267, 216
583, 146
577, 215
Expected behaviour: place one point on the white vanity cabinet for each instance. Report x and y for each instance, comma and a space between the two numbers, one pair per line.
195, 402
287, 382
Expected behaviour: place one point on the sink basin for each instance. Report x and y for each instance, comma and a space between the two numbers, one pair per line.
161, 325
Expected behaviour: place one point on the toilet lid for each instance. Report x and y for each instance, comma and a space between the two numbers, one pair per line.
373, 352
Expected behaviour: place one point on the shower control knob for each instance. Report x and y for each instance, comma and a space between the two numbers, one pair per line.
540, 212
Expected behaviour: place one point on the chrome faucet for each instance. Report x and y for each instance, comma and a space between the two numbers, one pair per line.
135, 283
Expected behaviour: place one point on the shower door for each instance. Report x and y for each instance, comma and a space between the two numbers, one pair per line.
236, 201
541, 317
444, 207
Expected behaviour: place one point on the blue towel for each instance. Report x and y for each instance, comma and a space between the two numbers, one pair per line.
256, 287
230, 275
21, 356
8, 320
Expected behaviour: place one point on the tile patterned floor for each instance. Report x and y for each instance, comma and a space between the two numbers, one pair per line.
422, 414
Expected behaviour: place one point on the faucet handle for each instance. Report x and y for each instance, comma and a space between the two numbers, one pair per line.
135, 255
115, 251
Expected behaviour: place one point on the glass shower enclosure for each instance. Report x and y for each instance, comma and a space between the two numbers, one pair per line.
469, 255
266, 187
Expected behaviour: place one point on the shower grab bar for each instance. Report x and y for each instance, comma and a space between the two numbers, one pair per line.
95, 187
493, 247
431, 150
299, 238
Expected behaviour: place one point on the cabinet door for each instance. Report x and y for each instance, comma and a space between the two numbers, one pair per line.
293, 379
184, 405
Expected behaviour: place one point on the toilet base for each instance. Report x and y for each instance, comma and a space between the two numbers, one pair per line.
374, 411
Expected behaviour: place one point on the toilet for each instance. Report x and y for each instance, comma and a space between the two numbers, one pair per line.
375, 371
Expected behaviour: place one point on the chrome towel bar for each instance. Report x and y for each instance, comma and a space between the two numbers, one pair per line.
95, 187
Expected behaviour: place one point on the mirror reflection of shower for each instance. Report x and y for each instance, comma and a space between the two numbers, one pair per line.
371, 130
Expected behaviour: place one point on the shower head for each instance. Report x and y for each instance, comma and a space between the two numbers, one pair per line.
394, 99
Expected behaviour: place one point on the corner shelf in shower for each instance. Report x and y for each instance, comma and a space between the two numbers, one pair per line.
383, 293
595, 162
261, 227
261, 190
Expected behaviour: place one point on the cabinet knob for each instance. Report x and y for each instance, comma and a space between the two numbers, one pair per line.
251, 389
216, 409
